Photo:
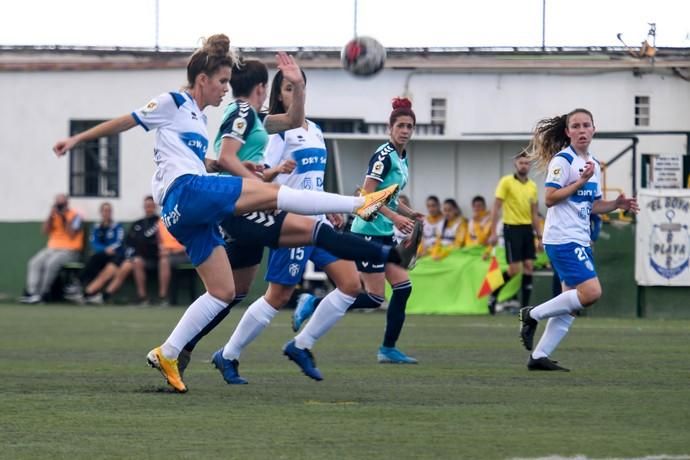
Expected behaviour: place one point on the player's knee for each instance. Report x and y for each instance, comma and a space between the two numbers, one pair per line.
590, 294
351, 287
224, 293
277, 298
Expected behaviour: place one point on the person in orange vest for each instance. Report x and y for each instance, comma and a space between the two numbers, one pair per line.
65, 243
171, 253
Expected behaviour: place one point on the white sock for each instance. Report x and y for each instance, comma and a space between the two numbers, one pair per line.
565, 302
198, 315
255, 319
556, 329
330, 310
308, 202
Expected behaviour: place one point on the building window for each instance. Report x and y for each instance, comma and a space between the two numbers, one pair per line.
438, 113
642, 110
94, 167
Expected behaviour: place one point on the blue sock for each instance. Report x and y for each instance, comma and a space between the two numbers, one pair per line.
215, 322
350, 247
395, 316
367, 300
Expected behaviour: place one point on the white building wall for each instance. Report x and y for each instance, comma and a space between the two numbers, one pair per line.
37, 107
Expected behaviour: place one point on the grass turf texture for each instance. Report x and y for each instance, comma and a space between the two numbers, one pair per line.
74, 385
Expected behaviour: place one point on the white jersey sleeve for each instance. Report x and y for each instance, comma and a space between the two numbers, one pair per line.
558, 173
275, 150
160, 111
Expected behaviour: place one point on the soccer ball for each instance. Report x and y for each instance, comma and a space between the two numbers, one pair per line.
363, 56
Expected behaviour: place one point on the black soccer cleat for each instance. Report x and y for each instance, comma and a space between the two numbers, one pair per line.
491, 303
544, 364
528, 326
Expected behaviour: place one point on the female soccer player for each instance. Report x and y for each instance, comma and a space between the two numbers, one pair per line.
194, 202
388, 166
305, 146
240, 144
573, 192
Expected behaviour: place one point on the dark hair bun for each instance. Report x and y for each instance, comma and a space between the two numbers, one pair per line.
401, 103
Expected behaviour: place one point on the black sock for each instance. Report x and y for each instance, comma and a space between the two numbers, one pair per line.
526, 289
350, 247
366, 300
214, 322
506, 278
556, 287
395, 316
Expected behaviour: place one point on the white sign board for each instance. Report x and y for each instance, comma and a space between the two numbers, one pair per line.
667, 171
662, 241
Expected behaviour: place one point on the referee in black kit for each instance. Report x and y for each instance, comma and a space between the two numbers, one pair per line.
516, 197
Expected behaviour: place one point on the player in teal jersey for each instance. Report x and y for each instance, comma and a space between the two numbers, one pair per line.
389, 166
240, 145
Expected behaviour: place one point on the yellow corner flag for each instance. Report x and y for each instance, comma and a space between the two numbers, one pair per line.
493, 279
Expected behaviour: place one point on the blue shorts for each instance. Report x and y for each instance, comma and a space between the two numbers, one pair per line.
286, 265
572, 261
194, 206
366, 266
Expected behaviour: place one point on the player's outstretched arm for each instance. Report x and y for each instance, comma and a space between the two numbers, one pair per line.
107, 128
621, 202
294, 117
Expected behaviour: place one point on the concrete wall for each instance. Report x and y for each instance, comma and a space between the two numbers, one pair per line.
37, 108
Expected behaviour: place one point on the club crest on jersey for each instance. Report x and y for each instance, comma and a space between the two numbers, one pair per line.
150, 107
293, 269
669, 242
239, 126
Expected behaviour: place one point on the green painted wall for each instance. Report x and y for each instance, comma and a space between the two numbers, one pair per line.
20, 241
614, 258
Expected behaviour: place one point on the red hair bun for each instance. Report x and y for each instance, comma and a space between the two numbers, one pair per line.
401, 103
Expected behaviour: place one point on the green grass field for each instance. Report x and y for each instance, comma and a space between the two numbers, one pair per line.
75, 385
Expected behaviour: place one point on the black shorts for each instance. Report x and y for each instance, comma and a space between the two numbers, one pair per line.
519, 241
246, 236
368, 267
150, 258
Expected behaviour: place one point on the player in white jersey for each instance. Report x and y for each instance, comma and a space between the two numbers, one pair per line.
306, 147
240, 145
194, 202
573, 192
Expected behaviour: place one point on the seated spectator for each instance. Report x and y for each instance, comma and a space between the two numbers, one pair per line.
171, 253
65, 243
141, 252
106, 246
453, 230
479, 227
433, 223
